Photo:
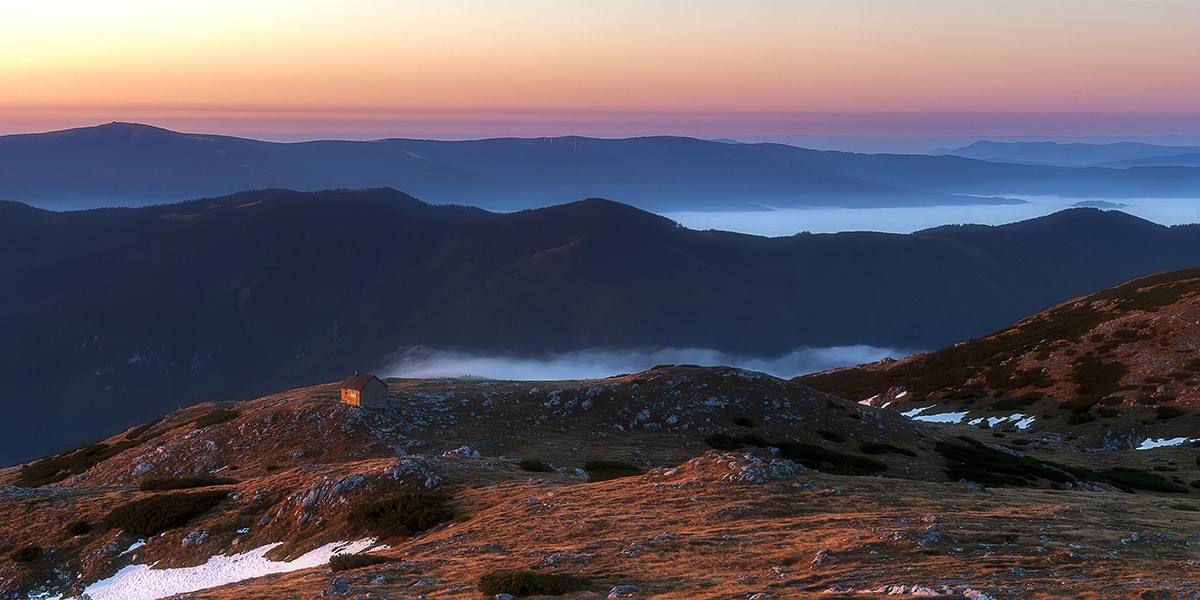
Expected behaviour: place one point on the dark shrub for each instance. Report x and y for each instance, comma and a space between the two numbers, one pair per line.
215, 417
1079, 404
26, 553
1080, 418
75, 528
1129, 478
604, 470
753, 439
345, 562
723, 441
1095, 378
989, 466
73, 462
1169, 412
881, 448
183, 483
408, 513
743, 422
830, 461
535, 466
158, 513
529, 583
1108, 413
137, 432
832, 436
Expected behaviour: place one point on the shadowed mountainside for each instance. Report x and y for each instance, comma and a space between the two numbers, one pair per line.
124, 164
118, 314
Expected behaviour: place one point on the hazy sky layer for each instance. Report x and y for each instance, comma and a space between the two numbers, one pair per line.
462, 68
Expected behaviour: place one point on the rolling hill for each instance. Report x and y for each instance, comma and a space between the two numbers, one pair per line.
1114, 369
116, 315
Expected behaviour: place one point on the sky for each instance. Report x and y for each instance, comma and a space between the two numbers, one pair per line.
752, 70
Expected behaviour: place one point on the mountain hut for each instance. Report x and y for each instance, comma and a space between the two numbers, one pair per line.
363, 389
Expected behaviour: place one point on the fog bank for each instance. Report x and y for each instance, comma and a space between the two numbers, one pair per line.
599, 363
907, 219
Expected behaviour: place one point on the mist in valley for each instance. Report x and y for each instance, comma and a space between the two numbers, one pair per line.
423, 362
908, 219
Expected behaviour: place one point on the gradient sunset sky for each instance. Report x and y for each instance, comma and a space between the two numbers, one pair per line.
295, 69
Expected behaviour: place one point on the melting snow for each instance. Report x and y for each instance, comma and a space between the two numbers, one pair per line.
140, 582
916, 414
1021, 421
950, 417
135, 546
1158, 443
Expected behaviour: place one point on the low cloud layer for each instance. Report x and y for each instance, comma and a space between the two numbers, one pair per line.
593, 364
789, 221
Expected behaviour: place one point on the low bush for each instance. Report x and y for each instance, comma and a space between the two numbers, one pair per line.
753, 439
76, 528
73, 462
979, 463
723, 441
832, 436
529, 583
345, 562
1169, 412
138, 431
183, 483
1134, 479
1080, 418
26, 553
741, 421
604, 470
535, 466
404, 514
215, 417
881, 448
830, 461
158, 513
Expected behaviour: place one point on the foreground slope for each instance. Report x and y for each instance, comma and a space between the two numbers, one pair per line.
1116, 368
118, 315
684, 521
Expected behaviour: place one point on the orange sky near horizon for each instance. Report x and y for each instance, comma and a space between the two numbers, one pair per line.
383, 63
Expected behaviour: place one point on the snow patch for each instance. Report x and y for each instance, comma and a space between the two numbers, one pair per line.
1149, 443
135, 546
140, 582
950, 417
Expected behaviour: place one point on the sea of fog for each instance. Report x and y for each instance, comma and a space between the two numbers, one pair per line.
789, 221
599, 363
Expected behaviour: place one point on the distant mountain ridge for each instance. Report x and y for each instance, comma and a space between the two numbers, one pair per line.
118, 314
1117, 154
124, 164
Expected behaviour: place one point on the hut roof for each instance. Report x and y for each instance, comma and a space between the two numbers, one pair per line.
358, 381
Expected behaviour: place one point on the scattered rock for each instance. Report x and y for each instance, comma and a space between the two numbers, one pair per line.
823, 556
622, 591
341, 587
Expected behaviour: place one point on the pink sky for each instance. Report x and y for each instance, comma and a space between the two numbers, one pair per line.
476, 68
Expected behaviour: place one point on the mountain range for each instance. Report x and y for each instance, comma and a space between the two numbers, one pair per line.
125, 164
1115, 155
114, 315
